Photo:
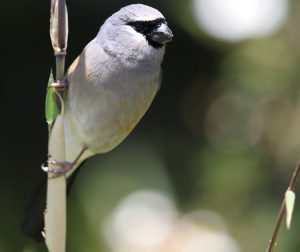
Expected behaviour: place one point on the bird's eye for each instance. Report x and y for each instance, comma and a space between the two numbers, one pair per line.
146, 27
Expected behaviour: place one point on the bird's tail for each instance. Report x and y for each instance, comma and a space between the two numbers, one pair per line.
33, 224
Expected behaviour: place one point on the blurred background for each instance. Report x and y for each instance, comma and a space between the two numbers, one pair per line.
206, 168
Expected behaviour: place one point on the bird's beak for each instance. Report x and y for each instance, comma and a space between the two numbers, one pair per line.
162, 34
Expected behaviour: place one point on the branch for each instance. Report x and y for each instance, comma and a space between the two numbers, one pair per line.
291, 187
55, 215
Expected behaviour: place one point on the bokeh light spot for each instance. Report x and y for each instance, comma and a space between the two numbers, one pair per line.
236, 20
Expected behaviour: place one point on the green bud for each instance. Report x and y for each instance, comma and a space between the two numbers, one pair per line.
59, 26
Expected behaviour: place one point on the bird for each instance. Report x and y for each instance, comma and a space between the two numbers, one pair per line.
111, 85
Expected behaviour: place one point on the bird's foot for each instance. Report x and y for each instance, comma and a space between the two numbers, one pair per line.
63, 168
60, 85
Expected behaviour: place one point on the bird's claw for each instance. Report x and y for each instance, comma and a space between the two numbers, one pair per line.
60, 85
64, 167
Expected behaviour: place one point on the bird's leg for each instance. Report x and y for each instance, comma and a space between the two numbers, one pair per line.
64, 166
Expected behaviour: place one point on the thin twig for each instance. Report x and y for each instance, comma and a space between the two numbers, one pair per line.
291, 187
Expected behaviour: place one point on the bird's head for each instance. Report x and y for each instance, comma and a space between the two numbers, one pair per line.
136, 31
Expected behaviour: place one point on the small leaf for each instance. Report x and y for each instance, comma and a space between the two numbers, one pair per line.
289, 204
51, 108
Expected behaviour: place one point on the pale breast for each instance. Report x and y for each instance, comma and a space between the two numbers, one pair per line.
108, 116
106, 99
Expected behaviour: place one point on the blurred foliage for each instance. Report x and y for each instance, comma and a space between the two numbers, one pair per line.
222, 134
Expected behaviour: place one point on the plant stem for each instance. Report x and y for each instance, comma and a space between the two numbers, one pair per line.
291, 187
60, 66
55, 216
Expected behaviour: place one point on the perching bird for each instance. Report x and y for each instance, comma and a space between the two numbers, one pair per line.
111, 85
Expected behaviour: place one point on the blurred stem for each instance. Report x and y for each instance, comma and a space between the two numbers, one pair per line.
281, 213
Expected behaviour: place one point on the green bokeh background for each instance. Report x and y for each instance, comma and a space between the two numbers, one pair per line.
222, 134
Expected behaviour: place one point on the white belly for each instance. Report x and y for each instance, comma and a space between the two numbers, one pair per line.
103, 120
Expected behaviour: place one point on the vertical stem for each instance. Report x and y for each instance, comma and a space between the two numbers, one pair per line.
55, 216
60, 66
